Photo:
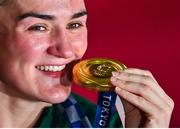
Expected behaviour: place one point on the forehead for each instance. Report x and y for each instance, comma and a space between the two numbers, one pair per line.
50, 6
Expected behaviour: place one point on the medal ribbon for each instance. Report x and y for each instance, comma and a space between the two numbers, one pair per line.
105, 108
107, 103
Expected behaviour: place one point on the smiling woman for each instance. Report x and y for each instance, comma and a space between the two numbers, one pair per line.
42, 45
40, 42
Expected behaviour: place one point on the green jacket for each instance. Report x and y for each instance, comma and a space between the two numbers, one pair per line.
51, 118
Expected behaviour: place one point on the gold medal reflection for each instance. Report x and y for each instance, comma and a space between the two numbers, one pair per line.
95, 73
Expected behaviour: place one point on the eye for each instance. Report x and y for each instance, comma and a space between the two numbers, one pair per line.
74, 25
39, 28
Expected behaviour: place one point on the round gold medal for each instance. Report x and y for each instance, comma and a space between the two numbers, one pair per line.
95, 73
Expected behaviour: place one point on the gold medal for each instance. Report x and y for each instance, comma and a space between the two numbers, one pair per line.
95, 73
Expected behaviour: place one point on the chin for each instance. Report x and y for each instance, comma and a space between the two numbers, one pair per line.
56, 96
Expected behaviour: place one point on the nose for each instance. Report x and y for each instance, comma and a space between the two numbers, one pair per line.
61, 46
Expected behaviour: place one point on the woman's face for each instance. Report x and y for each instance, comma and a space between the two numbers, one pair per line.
39, 39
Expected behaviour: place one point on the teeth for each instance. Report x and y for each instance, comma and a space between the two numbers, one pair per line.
51, 68
46, 68
41, 67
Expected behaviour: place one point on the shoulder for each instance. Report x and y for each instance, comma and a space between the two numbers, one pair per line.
88, 107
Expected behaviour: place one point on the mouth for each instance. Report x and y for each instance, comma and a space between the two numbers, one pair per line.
54, 71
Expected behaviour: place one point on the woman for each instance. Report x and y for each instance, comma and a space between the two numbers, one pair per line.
39, 41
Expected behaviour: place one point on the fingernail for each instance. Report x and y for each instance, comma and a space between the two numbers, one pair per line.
115, 74
113, 79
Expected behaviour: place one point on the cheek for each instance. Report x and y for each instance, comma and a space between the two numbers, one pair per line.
80, 48
29, 47
80, 45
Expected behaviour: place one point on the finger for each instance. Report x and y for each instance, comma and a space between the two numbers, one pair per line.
146, 73
142, 90
140, 72
138, 101
146, 80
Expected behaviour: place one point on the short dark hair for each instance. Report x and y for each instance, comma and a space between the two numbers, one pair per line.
3, 2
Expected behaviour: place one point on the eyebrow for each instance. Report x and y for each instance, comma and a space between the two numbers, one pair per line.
79, 14
48, 17
35, 15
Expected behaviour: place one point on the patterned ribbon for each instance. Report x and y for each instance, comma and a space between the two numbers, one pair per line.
76, 118
73, 113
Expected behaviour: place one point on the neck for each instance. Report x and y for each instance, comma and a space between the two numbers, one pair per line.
18, 112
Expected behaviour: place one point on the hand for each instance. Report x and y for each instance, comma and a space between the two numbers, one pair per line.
139, 88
